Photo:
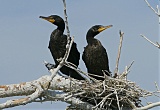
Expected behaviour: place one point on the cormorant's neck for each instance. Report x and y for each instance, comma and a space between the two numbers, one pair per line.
61, 26
90, 37
58, 33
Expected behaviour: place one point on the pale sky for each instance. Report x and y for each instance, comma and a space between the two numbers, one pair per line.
24, 38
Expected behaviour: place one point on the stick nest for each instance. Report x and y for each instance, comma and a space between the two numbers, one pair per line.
111, 93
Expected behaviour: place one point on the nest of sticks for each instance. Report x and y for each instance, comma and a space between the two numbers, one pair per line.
115, 93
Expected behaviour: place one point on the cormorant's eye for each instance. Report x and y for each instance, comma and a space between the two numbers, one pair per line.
94, 29
51, 17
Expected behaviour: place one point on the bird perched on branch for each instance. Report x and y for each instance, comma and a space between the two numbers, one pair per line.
95, 56
57, 46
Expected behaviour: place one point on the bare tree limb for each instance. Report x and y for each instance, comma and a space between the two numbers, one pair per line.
34, 89
23, 101
72, 100
156, 12
66, 21
119, 52
68, 64
124, 74
148, 106
156, 45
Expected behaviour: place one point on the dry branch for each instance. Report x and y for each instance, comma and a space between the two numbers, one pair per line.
156, 45
119, 53
66, 21
148, 106
35, 89
156, 12
22, 101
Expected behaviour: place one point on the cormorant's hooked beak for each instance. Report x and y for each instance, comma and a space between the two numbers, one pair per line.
48, 19
102, 28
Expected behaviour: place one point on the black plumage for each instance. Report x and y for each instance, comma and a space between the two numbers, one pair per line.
57, 46
95, 56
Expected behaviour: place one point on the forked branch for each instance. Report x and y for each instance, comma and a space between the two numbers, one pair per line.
156, 12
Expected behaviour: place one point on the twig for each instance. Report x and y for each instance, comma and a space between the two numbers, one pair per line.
85, 75
104, 89
156, 86
156, 45
104, 99
130, 65
124, 74
148, 106
117, 99
66, 21
119, 52
156, 12
68, 49
67, 27
74, 95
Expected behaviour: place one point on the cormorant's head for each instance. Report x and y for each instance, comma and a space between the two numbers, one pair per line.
93, 31
54, 19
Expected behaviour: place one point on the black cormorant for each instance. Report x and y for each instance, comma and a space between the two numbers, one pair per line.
95, 56
57, 46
